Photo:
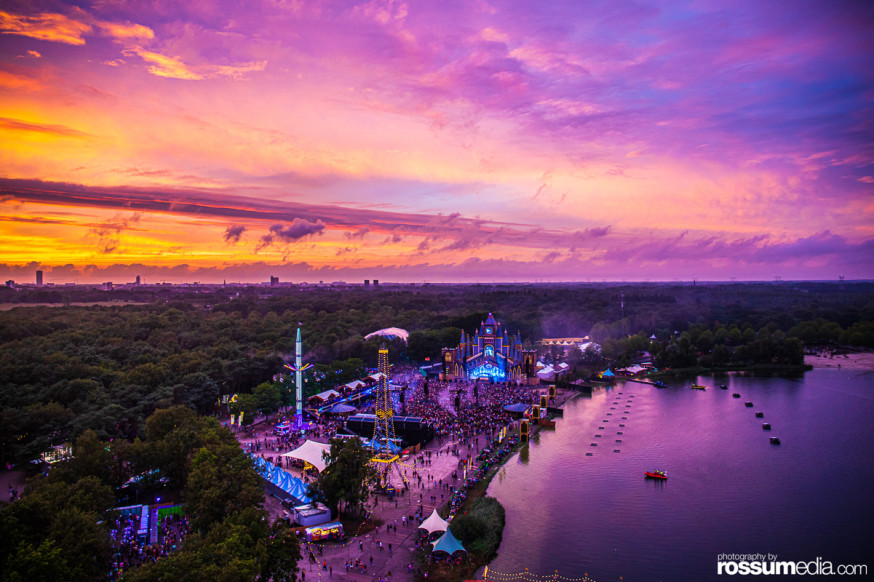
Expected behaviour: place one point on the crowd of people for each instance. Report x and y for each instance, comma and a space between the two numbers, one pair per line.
129, 550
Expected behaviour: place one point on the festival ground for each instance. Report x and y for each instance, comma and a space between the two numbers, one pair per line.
396, 563
380, 562
854, 361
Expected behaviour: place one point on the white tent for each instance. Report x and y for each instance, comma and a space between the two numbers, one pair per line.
378, 376
326, 395
391, 333
434, 523
547, 373
310, 452
354, 384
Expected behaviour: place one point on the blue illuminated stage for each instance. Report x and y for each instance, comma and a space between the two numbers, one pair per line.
491, 354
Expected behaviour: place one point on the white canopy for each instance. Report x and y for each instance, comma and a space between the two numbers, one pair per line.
310, 452
354, 384
326, 394
547, 373
434, 523
378, 376
391, 333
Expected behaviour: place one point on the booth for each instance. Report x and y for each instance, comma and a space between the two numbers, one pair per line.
332, 531
312, 514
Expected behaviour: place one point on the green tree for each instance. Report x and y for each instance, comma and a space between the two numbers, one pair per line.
222, 480
268, 397
347, 476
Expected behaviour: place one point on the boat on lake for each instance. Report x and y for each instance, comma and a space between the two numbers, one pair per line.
655, 474
760, 414
723, 386
766, 426
735, 395
748, 404
775, 441
698, 387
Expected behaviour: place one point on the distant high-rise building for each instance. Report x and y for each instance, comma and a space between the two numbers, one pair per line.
138, 280
376, 282
39, 278
274, 281
107, 286
367, 282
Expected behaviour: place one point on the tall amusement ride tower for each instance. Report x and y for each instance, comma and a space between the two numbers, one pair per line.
298, 368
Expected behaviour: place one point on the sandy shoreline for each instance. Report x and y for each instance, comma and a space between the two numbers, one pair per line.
863, 361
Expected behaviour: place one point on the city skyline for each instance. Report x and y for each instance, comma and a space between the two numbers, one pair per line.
459, 142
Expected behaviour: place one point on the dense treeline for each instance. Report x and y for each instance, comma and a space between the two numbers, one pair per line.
59, 529
68, 369
703, 347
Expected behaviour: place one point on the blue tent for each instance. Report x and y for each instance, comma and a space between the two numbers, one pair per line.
340, 409
299, 491
447, 543
518, 407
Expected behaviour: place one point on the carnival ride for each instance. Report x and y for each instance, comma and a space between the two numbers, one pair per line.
299, 368
384, 444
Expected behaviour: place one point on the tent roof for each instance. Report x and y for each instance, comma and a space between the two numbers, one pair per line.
518, 407
434, 523
311, 452
326, 394
390, 332
341, 409
354, 384
447, 543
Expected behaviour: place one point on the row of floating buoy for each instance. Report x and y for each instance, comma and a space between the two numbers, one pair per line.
759, 414
606, 420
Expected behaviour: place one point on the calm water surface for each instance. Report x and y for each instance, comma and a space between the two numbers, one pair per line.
729, 490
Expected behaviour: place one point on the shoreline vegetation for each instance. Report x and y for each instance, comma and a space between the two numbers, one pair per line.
471, 567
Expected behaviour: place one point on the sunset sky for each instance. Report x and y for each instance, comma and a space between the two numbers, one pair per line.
468, 140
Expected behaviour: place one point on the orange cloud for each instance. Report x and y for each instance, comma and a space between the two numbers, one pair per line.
45, 26
164, 66
126, 31
11, 81
58, 130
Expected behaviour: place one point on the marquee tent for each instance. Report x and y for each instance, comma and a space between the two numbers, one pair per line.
310, 452
434, 523
326, 395
279, 482
447, 543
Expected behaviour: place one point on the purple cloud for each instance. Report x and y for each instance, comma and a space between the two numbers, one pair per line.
233, 233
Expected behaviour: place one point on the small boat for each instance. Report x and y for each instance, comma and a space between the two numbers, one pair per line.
723, 386
766, 426
735, 395
698, 387
775, 441
748, 404
659, 384
655, 474
760, 414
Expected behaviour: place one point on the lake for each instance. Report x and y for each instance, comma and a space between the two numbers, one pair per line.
729, 489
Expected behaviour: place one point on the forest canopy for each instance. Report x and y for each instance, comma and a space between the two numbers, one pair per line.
68, 369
